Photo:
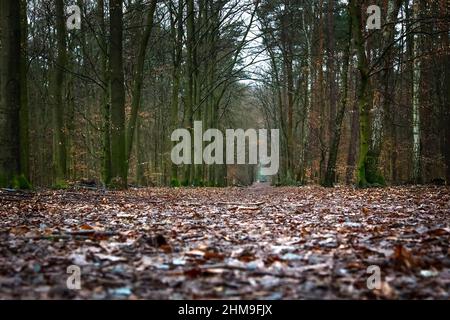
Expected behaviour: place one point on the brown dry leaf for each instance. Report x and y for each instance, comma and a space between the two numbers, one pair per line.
355, 265
166, 248
404, 257
247, 258
193, 273
19, 231
439, 232
386, 291
306, 242
86, 227
211, 255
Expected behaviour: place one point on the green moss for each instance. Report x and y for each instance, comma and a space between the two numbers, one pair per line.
198, 183
212, 184
175, 183
21, 183
3, 180
18, 182
60, 184
287, 181
372, 174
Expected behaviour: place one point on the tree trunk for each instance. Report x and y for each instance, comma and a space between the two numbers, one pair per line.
138, 80
365, 176
289, 89
140, 167
320, 97
446, 95
416, 158
10, 94
105, 106
117, 96
330, 176
190, 43
351, 155
381, 92
177, 35
331, 73
59, 130
24, 110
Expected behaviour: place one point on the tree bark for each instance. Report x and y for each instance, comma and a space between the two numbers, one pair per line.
364, 176
190, 43
117, 96
352, 148
10, 93
24, 110
105, 103
446, 95
177, 36
59, 130
286, 22
320, 97
381, 103
416, 158
330, 176
138, 80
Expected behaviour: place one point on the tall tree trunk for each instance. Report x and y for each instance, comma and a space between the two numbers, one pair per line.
117, 96
59, 128
10, 93
446, 94
138, 80
331, 70
198, 107
307, 103
24, 110
416, 158
190, 44
364, 176
330, 176
321, 96
380, 97
177, 35
289, 88
105, 103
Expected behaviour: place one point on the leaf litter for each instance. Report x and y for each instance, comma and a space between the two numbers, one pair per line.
234, 243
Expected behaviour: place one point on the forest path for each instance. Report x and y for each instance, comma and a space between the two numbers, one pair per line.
248, 243
260, 188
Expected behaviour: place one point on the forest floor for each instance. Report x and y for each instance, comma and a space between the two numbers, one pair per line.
236, 243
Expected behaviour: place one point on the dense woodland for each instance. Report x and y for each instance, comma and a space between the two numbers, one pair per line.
353, 105
89, 104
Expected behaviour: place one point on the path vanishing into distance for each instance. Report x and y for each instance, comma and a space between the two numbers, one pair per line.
259, 242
